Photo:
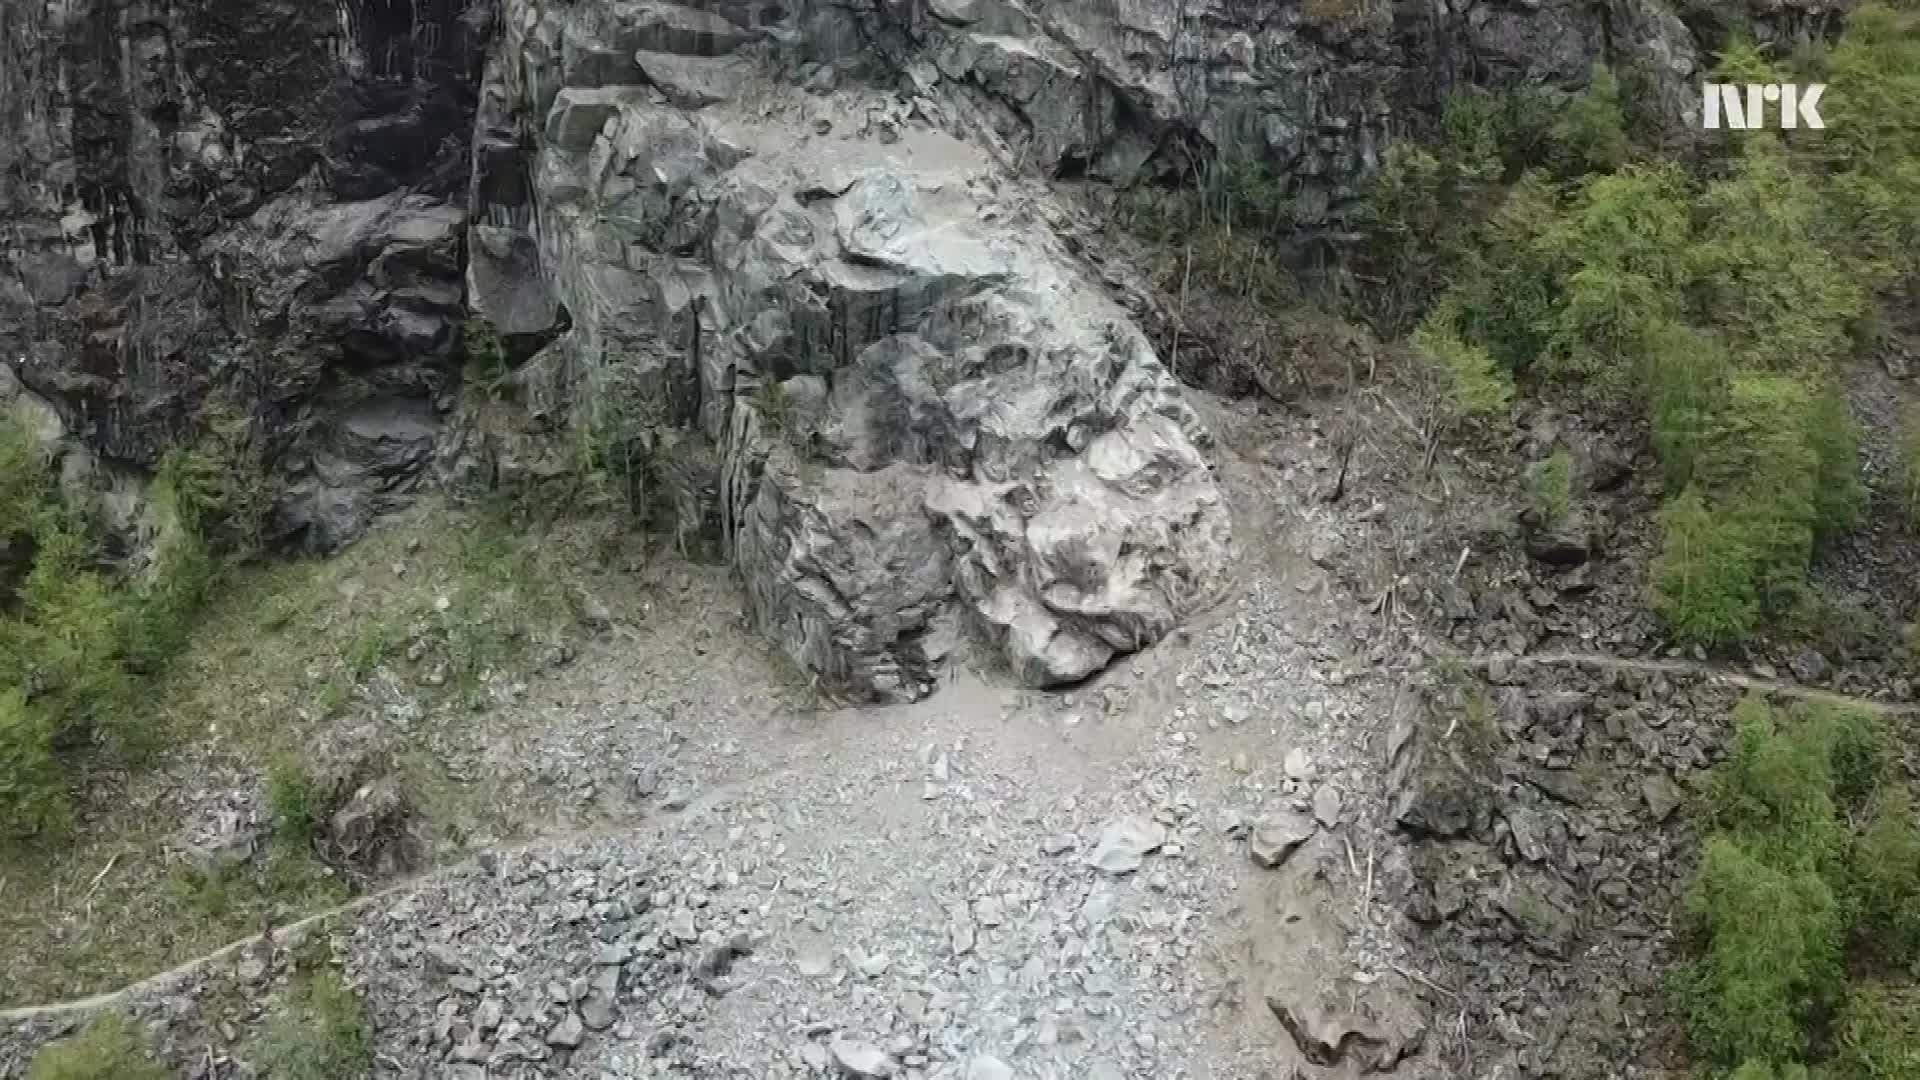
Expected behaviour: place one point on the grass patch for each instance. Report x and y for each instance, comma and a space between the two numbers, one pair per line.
108, 1048
320, 1032
276, 657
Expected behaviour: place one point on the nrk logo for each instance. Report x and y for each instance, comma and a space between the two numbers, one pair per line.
1743, 106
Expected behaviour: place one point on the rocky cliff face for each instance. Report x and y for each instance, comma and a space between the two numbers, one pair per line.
792, 261
253, 208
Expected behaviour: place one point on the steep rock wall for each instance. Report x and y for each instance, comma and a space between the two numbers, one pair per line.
254, 207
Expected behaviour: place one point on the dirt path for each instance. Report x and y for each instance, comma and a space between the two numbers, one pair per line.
1708, 672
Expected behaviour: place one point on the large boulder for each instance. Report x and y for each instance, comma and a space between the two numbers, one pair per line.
933, 427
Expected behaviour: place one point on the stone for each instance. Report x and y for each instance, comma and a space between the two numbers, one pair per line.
1275, 838
1661, 794
372, 821
813, 959
1124, 845
569, 1033
1809, 666
1528, 828
1439, 797
1375, 1038
857, 1058
596, 1011
1326, 806
1058, 843
987, 1067
1298, 765
1542, 919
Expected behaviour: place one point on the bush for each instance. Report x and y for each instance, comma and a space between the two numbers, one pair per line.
1885, 885
1879, 1034
26, 485
1472, 384
486, 367
1773, 956
1686, 384
1551, 485
1761, 273
320, 1033
1907, 465
107, 1049
33, 796
1621, 240
296, 800
1787, 885
1505, 291
1590, 133
1703, 578
1779, 457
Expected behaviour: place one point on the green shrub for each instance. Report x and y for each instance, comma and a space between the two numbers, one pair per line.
1550, 483
1505, 290
1772, 957
33, 796
107, 1049
1622, 239
486, 367
1760, 272
26, 487
1686, 385
319, 1033
295, 800
1590, 133
1703, 578
1885, 883
1788, 885
1779, 458
1879, 1034
1471, 383
1775, 790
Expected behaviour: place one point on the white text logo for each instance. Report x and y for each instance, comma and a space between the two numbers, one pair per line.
1744, 106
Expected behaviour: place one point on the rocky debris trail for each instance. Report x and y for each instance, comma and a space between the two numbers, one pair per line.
993, 882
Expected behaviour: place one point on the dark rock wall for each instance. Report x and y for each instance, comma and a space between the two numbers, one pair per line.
253, 206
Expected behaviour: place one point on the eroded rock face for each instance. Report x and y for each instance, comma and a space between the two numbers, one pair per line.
931, 425
251, 207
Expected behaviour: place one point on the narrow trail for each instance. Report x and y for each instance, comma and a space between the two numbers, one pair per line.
107, 999
1708, 672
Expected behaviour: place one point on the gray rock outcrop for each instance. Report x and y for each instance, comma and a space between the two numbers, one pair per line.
931, 424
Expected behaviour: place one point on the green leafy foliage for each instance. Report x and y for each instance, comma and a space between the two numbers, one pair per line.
33, 796
1620, 243
1590, 133
107, 1049
1719, 300
1550, 483
1783, 301
1775, 938
1703, 578
1879, 1034
77, 630
486, 368
296, 801
319, 1033
1907, 463
1788, 884
1473, 384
